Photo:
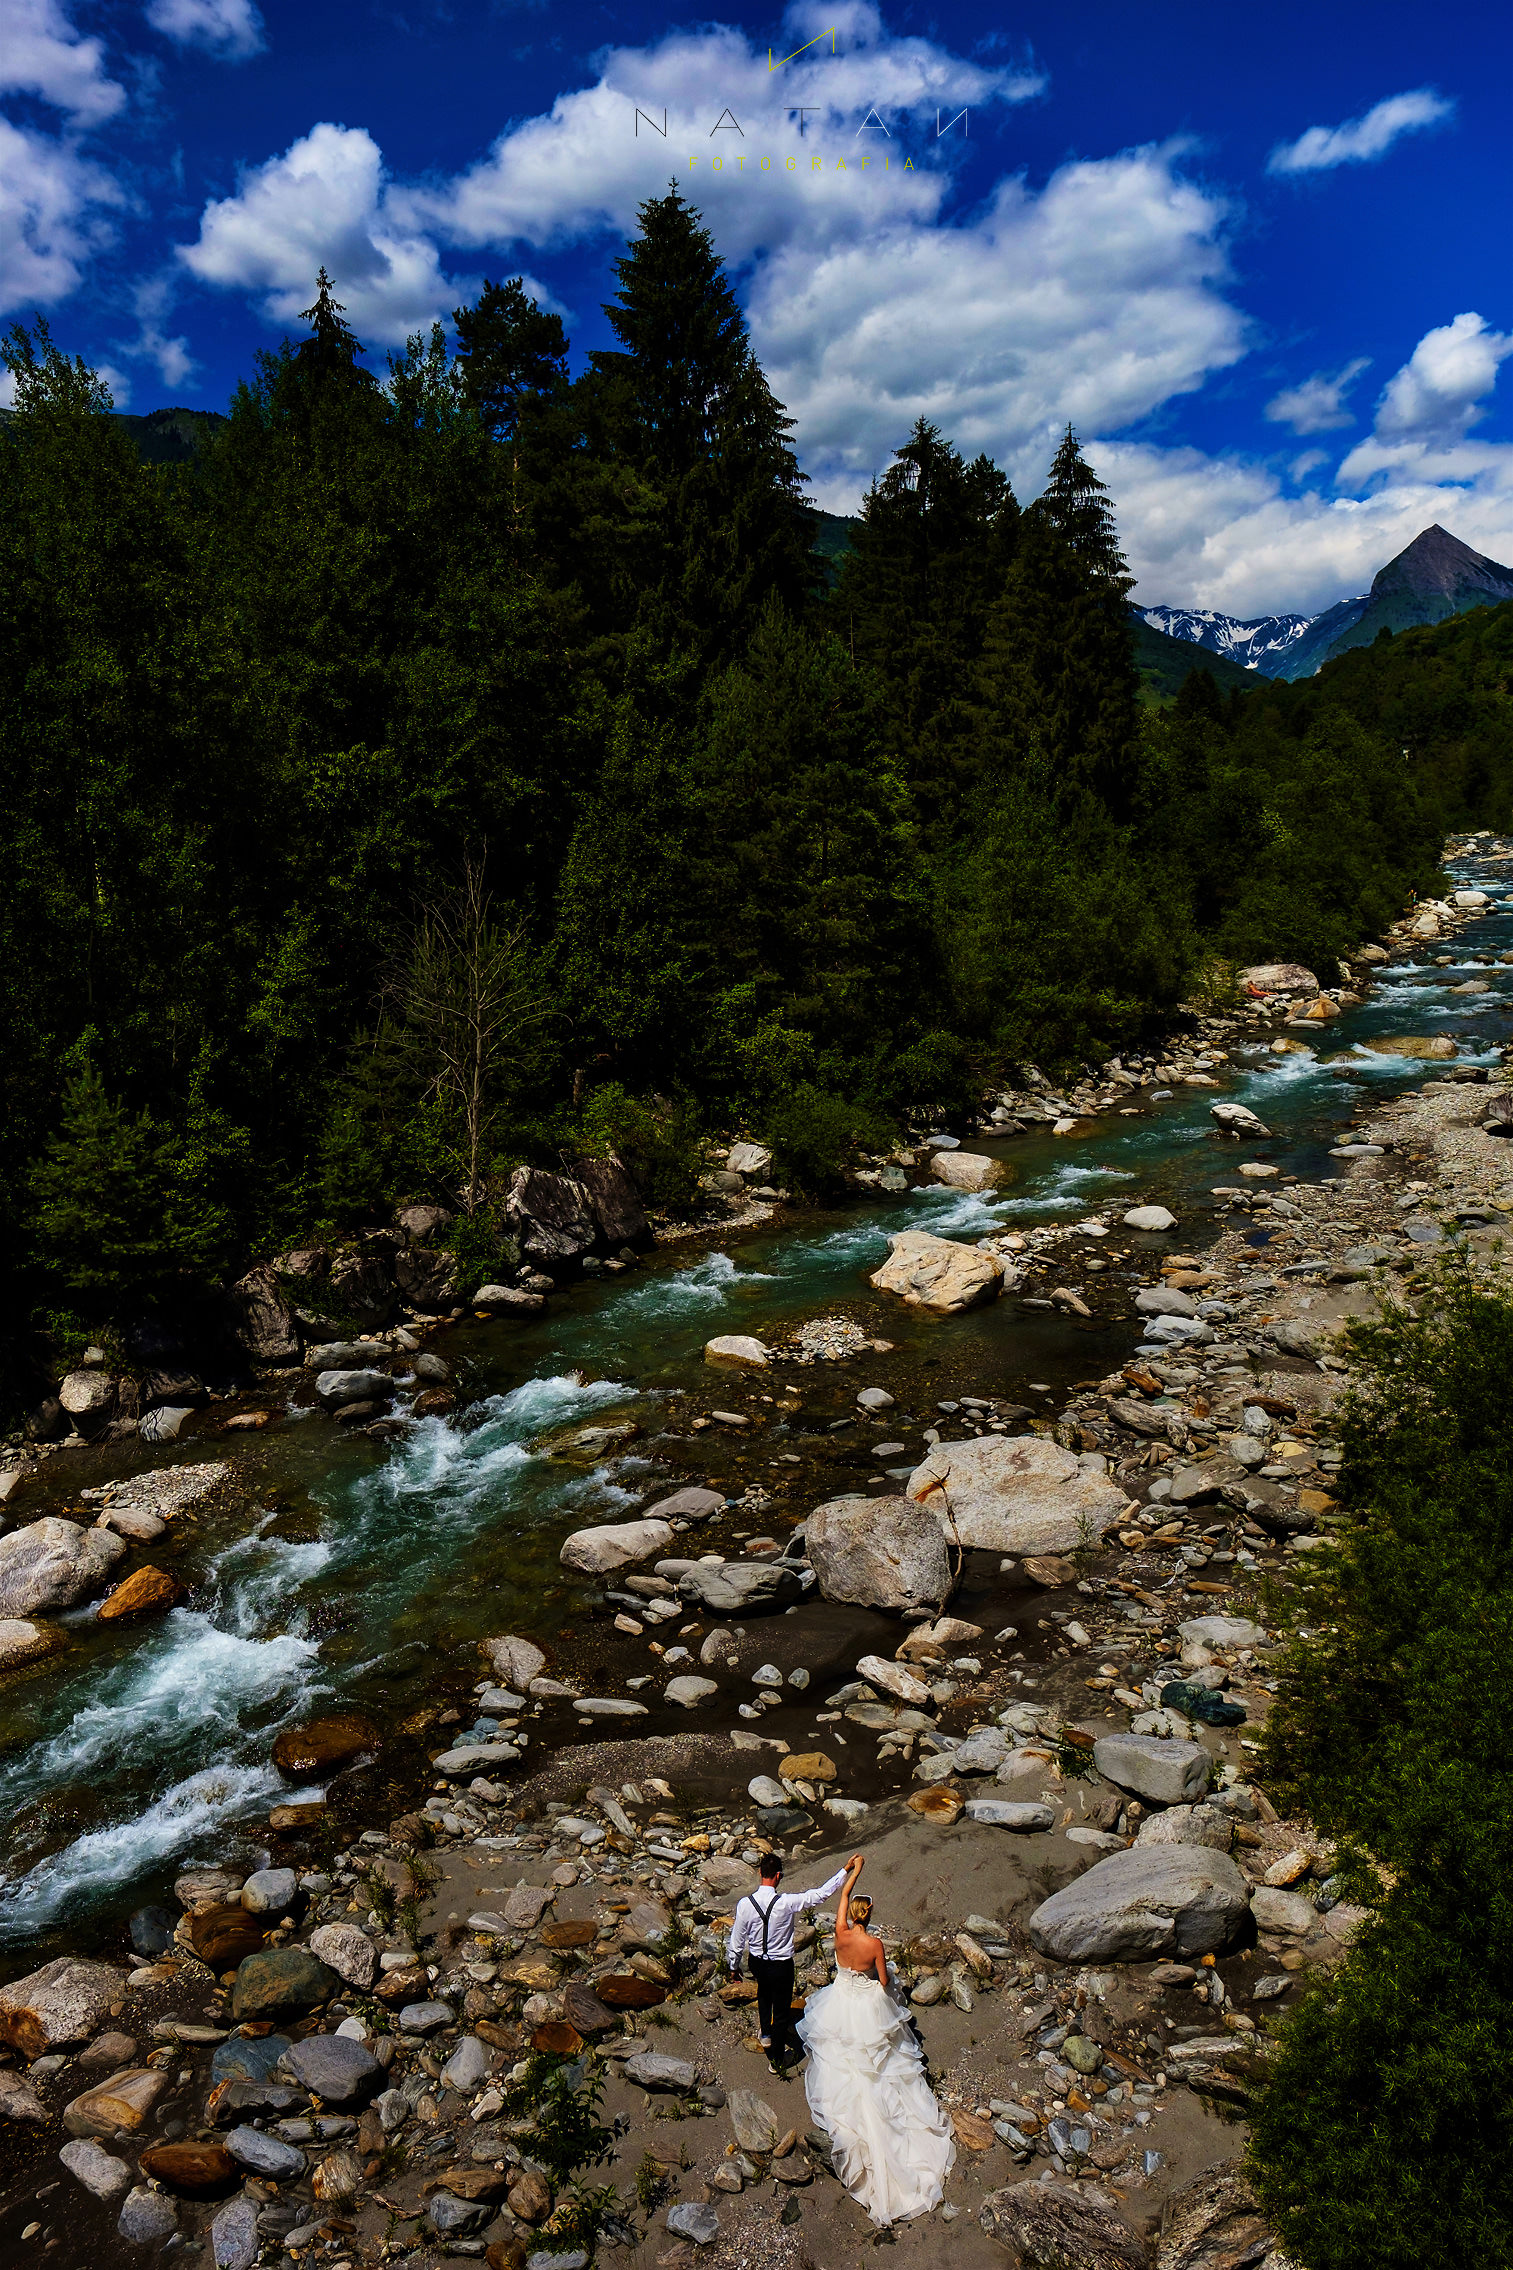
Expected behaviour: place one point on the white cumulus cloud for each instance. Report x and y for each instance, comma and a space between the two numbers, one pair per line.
53, 208
232, 28
42, 54
1360, 140
326, 203
1318, 405
1438, 392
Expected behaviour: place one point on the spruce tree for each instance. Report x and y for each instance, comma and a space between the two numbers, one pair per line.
1076, 505
684, 400
912, 602
511, 354
101, 1201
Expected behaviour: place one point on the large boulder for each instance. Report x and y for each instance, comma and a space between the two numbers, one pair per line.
89, 1398
335, 1388
1168, 1773
262, 1318
937, 1273
879, 1553
970, 1171
742, 1588
1215, 2224
613, 1202
594, 1552
1419, 1048
146, 1592
360, 1287
1280, 977
53, 1563
553, 1217
23, 1642
1056, 2226
1174, 1899
428, 1281
53, 2008
1016, 1494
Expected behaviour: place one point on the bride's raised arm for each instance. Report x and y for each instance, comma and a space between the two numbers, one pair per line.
854, 1868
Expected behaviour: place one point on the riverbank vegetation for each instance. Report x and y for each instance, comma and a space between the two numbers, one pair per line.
751, 839
1379, 2139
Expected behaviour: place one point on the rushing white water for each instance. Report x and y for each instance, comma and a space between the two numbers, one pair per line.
153, 1740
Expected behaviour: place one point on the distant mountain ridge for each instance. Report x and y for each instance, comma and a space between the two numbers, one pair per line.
1432, 578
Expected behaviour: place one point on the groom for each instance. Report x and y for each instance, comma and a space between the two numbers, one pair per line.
764, 1921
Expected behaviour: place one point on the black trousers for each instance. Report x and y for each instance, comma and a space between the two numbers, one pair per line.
774, 1985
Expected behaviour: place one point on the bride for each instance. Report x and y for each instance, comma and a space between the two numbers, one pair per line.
865, 2081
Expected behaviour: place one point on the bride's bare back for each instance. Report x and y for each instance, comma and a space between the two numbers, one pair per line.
856, 1948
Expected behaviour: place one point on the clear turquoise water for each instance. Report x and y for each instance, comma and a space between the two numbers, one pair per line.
371, 1565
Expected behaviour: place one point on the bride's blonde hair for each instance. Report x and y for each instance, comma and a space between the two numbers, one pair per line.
858, 1910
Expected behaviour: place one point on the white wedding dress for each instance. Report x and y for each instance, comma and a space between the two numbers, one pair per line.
889, 2138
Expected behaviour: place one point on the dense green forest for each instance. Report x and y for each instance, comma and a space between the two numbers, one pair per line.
484, 675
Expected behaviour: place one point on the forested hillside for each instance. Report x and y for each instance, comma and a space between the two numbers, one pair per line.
485, 708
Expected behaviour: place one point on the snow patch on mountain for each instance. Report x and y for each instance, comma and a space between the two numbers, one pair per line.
1262, 645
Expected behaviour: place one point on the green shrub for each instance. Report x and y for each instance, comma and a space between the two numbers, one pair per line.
815, 1136
659, 1141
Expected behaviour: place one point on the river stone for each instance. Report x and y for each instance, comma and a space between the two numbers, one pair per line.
1151, 1900
233, 2235
337, 1388
1150, 1218
1280, 977
654, 2072
690, 1691
613, 1545
334, 2068
510, 1297
1287, 1915
971, 1171
52, 1564
1056, 2226
1188, 1824
1003, 1813
270, 1891
737, 1348
1215, 2224
123, 2102
468, 2066
430, 2017
514, 1660
451, 2217
165, 1423
608, 1706
1223, 1631
94, 2167
63, 2003
1169, 1773
757, 2127
763, 1790
741, 1588
693, 2220
894, 1679
194, 2171
1017, 1494
476, 1757
18, 2101
879, 1553
726, 1877
1416, 1047
692, 1504
937, 1273
326, 1746
265, 2155
147, 1591
248, 2059
1160, 1300
22, 1642
147, 2217
281, 1982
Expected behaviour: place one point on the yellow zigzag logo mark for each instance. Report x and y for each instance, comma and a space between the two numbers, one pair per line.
798, 51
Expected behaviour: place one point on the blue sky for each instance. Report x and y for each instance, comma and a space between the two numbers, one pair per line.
1258, 257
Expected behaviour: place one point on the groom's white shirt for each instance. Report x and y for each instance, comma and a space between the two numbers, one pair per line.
785, 1910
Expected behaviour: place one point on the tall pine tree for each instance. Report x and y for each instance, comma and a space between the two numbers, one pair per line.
684, 400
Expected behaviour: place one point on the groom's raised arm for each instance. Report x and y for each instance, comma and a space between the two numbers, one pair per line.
822, 1892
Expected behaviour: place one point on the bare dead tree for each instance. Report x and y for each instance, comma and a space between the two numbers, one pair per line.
461, 1007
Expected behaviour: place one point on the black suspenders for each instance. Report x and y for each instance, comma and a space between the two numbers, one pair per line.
766, 1915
